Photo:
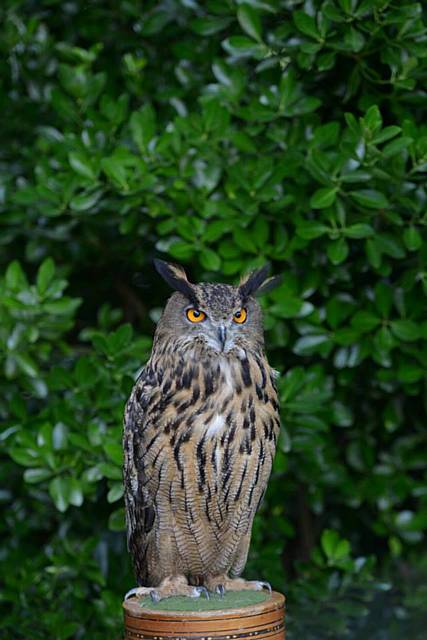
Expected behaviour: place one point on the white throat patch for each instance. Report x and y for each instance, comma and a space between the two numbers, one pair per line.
215, 425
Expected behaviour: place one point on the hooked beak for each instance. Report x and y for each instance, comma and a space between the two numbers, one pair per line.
222, 336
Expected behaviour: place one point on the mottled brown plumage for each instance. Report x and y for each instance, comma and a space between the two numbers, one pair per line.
200, 434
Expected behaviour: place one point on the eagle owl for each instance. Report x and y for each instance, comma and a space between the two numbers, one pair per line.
200, 434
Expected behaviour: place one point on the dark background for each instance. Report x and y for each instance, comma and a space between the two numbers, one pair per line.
222, 135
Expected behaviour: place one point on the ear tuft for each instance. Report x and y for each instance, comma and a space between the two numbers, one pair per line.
269, 284
176, 278
251, 283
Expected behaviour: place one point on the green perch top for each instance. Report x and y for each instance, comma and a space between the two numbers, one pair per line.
231, 600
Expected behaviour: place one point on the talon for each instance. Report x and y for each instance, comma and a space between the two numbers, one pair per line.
203, 590
155, 597
131, 592
220, 590
265, 585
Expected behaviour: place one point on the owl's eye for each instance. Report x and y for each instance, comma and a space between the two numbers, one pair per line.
240, 316
194, 315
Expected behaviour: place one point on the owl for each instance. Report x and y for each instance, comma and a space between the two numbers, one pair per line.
200, 433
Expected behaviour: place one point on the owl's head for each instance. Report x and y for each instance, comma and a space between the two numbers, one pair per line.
218, 317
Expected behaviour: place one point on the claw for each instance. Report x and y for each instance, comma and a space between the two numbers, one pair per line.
265, 585
220, 590
204, 591
155, 597
131, 592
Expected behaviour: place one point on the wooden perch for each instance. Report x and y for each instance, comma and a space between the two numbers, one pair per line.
262, 616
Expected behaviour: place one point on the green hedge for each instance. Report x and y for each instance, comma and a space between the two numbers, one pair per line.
221, 135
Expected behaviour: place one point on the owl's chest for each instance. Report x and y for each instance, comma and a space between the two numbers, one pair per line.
222, 463
211, 419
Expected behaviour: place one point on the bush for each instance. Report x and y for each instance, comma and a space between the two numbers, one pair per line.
222, 135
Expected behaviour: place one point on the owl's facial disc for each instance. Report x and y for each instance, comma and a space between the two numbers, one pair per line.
215, 320
220, 332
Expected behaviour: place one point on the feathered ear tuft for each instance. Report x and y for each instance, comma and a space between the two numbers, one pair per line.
176, 278
257, 282
269, 284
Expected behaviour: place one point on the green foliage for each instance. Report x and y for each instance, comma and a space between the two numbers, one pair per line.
221, 135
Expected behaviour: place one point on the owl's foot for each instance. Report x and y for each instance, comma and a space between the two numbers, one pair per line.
169, 587
221, 584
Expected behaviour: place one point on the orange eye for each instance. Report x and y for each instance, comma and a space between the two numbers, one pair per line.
240, 316
194, 315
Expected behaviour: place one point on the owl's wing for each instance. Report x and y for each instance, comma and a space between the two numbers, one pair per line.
139, 503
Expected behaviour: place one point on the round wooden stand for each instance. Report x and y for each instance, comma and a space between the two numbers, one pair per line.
261, 620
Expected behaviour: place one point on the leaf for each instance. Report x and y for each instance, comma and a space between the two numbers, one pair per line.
383, 298
390, 245
303, 106
215, 230
27, 364
373, 120
142, 124
120, 338
352, 123
115, 169
59, 490
309, 230
15, 277
329, 541
210, 24
309, 343
250, 21
354, 39
323, 198
365, 321
373, 253
406, 330
215, 117
116, 521
116, 492
37, 474
370, 198
335, 548
85, 373
210, 260
243, 239
384, 339
342, 550
75, 493
338, 308
243, 46
243, 142
85, 201
394, 147
115, 452
412, 238
93, 474
81, 165
386, 134
306, 24
359, 230
410, 372
25, 457
65, 306
110, 471
45, 275
337, 250
60, 436
287, 307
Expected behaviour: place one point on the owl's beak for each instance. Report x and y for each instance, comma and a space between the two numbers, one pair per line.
222, 336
